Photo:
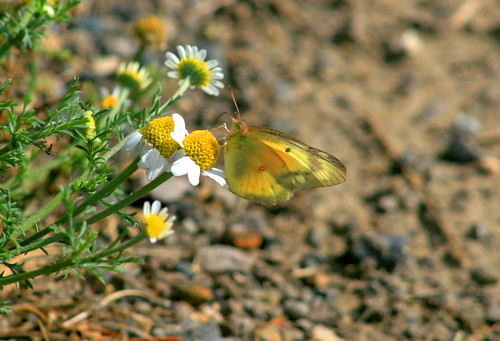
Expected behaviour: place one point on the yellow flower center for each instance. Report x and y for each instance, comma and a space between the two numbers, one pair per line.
157, 133
133, 76
109, 101
202, 147
156, 226
196, 70
151, 30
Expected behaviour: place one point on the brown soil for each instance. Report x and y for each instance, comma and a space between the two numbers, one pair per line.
405, 93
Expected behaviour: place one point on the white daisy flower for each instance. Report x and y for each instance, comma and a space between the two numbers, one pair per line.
133, 76
199, 153
155, 145
110, 99
191, 65
158, 223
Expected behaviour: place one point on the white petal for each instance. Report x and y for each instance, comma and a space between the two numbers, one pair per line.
151, 173
143, 148
217, 171
180, 131
182, 166
217, 76
202, 54
187, 166
165, 234
182, 52
147, 208
163, 213
218, 84
157, 168
152, 239
217, 175
173, 74
132, 141
148, 159
156, 207
212, 63
171, 220
211, 90
171, 64
171, 58
194, 175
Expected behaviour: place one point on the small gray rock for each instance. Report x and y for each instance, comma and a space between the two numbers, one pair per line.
224, 259
493, 312
295, 309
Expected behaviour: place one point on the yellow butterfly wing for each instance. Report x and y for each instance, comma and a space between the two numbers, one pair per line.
307, 166
252, 170
266, 166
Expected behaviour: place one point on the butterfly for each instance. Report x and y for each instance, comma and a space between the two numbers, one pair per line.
266, 166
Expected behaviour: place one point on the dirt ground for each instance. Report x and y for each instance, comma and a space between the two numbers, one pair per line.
405, 93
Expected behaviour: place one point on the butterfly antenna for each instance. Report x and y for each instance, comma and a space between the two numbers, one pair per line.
235, 104
218, 117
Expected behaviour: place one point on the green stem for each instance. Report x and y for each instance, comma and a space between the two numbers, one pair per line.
130, 199
39, 215
71, 262
185, 83
140, 52
108, 189
58, 237
104, 192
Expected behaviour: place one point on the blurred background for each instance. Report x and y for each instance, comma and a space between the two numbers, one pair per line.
405, 93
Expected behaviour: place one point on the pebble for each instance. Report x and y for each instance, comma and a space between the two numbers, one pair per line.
493, 312
466, 126
322, 333
387, 250
479, 231
224, 259
292, 334
182, 311
432, 110
387, 203
410, 42
241, 324
247, 240
268, 333
483, 277
317, 236
184, 267
489, 165
305, 324
194, 294
461, 150
204, 332
295, 309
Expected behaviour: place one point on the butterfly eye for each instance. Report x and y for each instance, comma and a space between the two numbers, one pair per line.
288, 150
262, 168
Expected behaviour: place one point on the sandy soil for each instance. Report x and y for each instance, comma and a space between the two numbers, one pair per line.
405, 93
